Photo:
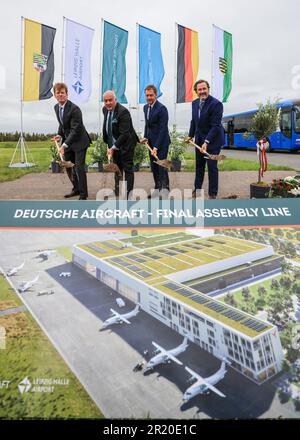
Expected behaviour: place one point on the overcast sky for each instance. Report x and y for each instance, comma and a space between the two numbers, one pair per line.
266, 36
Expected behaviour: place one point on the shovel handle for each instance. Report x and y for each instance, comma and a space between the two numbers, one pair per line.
151, 151
200, 149
57, 147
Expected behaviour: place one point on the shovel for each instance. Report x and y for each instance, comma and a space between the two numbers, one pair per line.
206, 154
63, 163
111, 167
162, 162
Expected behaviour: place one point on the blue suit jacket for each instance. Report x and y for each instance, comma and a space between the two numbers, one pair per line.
209, 126
156, 129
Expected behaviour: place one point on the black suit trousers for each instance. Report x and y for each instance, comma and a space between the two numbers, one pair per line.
160, 174
213, 173
124, 160
77, 174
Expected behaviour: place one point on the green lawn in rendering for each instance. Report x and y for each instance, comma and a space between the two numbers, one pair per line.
29, 353
253, 292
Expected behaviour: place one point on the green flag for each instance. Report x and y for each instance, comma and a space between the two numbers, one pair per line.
114, 65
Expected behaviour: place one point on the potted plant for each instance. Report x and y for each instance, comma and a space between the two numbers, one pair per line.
263, 123
140, 154
99, 154
176, 149
55, 166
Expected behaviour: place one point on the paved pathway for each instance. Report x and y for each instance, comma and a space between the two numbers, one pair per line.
48, 186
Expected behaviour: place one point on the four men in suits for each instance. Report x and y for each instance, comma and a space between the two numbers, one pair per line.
119, 135
206, 127
74, 140
118, 132
157, 134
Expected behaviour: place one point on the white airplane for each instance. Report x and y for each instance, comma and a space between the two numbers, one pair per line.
163, 356
205, 385
120, 319
28, 284
65, 274
46, 254
14, 270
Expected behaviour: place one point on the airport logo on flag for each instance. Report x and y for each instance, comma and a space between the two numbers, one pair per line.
223, 65
24, 386
78, 87
40, 62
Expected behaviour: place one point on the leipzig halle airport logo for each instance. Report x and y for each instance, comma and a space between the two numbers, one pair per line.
41, 385
24, 386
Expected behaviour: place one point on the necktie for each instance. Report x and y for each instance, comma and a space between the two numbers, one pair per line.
201, 104
61, 114
109, 131
149, 111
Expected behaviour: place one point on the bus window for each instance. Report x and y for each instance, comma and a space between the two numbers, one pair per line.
286, 123
297, 119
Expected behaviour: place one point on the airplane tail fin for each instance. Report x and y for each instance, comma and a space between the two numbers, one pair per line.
185, 341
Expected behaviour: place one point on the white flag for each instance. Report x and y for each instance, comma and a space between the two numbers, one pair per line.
77, 62
222, 64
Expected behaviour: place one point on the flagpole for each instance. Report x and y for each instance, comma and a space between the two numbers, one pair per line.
100, 75
63, 52
22, 74
137, 78
212, 60
21, 142
175, 74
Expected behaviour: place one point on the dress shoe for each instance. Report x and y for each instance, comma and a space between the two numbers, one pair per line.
82, 198
71, 194
196, 193
213, 197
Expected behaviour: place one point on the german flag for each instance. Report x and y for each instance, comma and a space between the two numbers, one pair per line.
38, 61
187, 64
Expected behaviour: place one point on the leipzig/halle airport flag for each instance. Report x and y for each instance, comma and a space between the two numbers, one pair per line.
222, 64
38, 61
187, 64
77, 62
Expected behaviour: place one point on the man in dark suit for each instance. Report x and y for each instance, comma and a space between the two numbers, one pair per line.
119, 135
74, 140
206, 127
157, 134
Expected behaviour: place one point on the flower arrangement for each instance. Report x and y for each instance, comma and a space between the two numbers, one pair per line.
287, 187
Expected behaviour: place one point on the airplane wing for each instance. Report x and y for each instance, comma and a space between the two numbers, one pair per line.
201, 381
35, 279
174, 359
124, 319
214, 389
158, 347
193, 374
117, 315
166, 353
21, 266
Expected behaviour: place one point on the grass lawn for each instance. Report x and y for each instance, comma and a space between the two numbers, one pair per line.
232, 164
253, 291
29, 353
40, 152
